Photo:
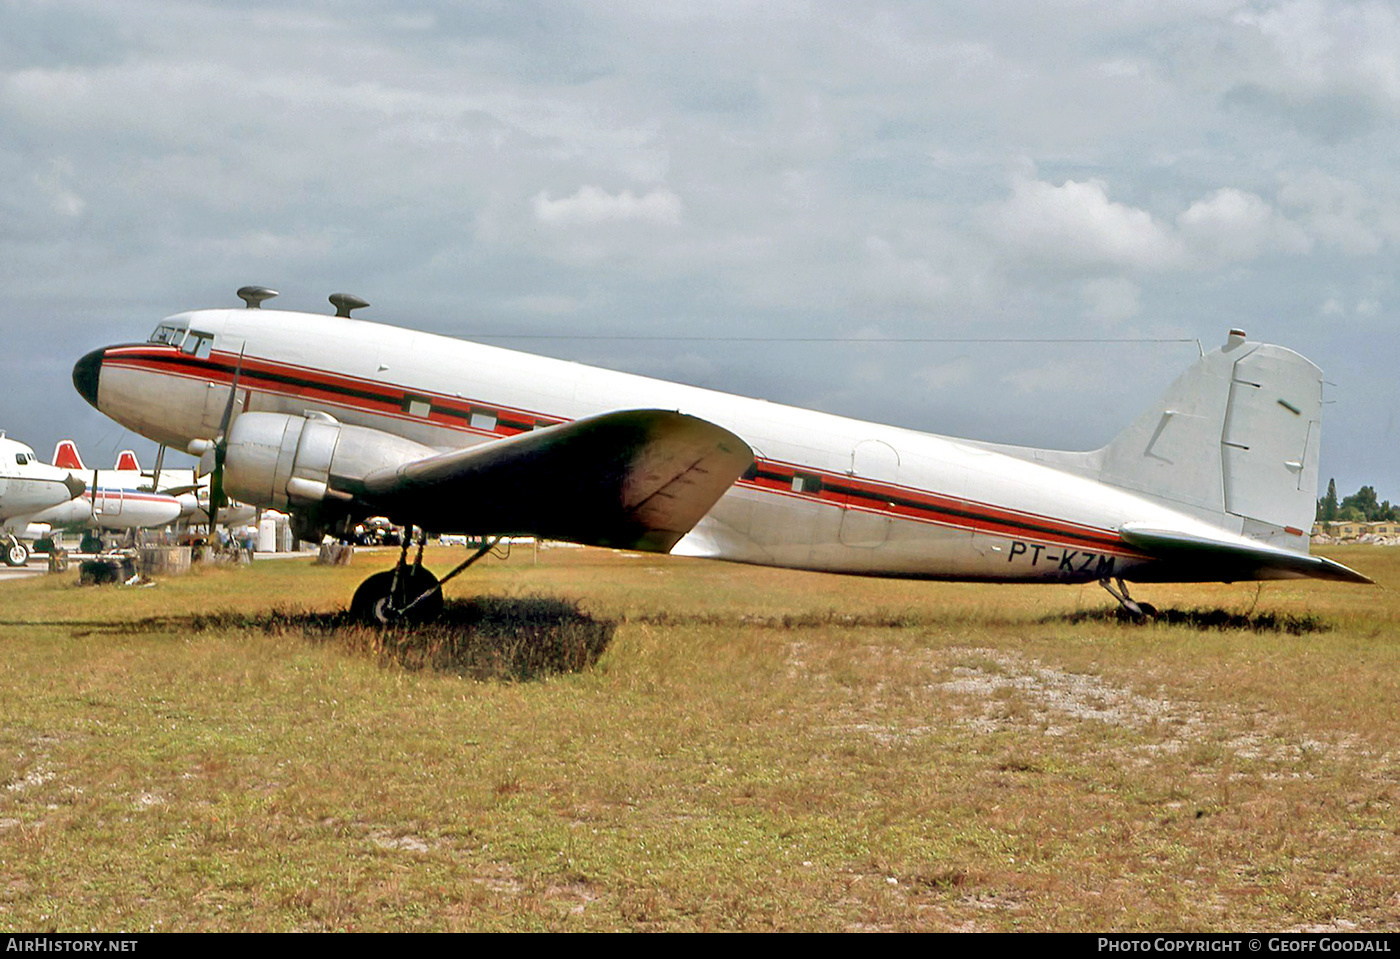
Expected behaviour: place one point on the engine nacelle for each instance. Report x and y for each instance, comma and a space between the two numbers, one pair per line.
295, 462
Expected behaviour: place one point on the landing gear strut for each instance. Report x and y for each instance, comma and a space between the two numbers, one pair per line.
408, 594
1128, 609
16, 553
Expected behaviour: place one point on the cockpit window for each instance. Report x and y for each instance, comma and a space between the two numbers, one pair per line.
21, 458
200, 344
168, 334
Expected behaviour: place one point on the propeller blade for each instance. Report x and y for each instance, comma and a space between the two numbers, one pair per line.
217, 500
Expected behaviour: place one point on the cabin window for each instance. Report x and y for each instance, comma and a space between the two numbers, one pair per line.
21, 458
417, 405
806, 483
483, 420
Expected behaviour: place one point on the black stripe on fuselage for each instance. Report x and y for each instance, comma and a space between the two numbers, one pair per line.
765, 475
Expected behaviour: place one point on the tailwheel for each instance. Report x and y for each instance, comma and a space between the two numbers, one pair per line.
1129, 611
16, 553
404, 596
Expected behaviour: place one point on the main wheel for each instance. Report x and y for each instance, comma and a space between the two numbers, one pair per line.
373, 603
16, 553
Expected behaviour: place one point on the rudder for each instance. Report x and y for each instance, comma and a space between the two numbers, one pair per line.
1234, 440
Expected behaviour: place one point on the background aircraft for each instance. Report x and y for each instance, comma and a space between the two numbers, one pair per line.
113, 500
132, 498
333, 419
28, 487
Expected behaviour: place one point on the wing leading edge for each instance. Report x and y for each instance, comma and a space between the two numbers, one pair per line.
636, 479
1227, 560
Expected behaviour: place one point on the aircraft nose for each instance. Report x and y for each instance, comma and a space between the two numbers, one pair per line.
86, 373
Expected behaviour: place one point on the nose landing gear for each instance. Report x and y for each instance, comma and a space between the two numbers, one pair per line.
15, 553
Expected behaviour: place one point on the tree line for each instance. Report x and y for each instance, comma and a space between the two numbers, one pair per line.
1360, 506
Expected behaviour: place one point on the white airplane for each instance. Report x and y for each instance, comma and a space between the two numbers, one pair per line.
129, 497
334, 419
114, 499
28, 487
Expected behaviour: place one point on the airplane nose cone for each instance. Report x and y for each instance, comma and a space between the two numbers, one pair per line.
86, 373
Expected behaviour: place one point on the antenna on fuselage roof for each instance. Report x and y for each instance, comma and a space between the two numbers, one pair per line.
254, 295
345, 302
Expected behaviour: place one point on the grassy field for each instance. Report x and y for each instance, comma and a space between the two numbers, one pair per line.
681, 745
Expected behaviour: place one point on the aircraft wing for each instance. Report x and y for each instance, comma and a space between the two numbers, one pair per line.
636, 479
1228, 560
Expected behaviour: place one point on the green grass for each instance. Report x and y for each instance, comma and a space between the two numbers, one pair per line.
601, 741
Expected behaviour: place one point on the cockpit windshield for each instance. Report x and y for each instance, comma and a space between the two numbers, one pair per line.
168, 334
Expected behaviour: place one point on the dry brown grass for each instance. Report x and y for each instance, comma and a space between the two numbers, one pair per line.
717, 747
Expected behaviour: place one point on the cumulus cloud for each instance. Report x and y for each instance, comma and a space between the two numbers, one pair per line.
1076, 224
593, 204
1336, 211
839, 164
1231, 224
1328, 47
1330, 69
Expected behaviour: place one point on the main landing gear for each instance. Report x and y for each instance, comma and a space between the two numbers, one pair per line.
1128, 609
15, 552
408, 594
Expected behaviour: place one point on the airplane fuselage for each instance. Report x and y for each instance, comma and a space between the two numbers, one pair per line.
826, 492
28, 486
113, 503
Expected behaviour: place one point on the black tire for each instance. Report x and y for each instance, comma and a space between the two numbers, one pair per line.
16, 554
1147, 613
373, 604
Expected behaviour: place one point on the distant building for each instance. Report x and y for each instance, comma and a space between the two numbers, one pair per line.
1344, 530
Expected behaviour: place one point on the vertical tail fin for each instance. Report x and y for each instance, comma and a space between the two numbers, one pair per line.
65, 455
126, 460
1234, 440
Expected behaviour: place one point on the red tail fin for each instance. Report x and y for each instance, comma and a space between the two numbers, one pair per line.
126, 460
65, 456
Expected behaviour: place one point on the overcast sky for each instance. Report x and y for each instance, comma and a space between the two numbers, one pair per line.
1120, 173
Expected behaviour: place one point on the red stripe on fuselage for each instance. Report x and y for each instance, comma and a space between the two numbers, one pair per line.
906, 502
371, 396
454, 413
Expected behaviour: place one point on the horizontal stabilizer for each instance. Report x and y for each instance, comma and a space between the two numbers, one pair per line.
182, 490
637, 479
1230, 560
